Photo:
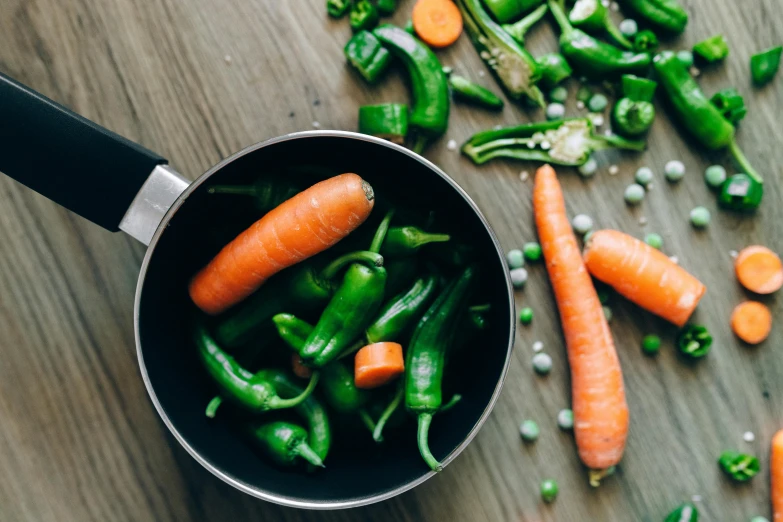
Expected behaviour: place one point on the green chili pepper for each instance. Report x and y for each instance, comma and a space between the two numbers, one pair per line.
520, 28
564, 142
713, 49
267, 193
731, 105
685, 513
386, 7
739, 466
694, 341
363, 16
405, 241
593, 16
554, 69
695, 112
284, 443
338, 8
666, 14
469, 91
388, 412
741, 192
508, 10
253, 392
593, 58
387, 120
430, 111
632, 118
514, 68
400, 273
645, 42
764, 65
426, 357
401, 311
367, 55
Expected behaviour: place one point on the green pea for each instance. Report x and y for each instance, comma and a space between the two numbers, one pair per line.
584, 94
674, 171
529, 431
549, 490
515, 258
651, 344
558, 94
532, 251
597, 103
634, 194
685, 57
644, 176
518, 277
542, 363
714, 176
526, 315
629, 27
565, 419
654, 240
588, 168
555, 111
582, 224
608, 314
700, 217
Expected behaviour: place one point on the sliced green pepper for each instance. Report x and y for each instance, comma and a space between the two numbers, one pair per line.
469, 91
338, 8
666, 14
739, 466
366, 54
387, 120
685, 513
632, 118
645, 42
764, 65
363, 16
731, 104
741, 192
520, 28
713, 49
694, 341
554, 69
593, 16
507, 10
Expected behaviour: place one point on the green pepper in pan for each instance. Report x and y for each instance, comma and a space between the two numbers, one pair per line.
520, 28
426, 357
466, 90
400, 312
400, 273
387, 120
665, 14
506, 10
266, 193
367, 55
429, 114
685, 513
633, 115
593, 16
593, 58
515, 68
363, 16
284, 443
406, 241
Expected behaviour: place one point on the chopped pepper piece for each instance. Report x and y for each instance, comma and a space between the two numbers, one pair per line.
632, 118
713, 49
741, 192
364, 16
665, 14
731, 104
645, 42
739, 466
469, 91
519, 29
685, 513
387, 120
366, 54
338, 8
386, 7
764, 65
694, 341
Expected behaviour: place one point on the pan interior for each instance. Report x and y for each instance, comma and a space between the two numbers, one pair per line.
357, 467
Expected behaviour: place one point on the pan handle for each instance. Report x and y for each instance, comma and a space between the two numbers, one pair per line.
82, 166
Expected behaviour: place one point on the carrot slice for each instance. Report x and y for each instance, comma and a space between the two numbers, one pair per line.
759, 269
776, 477
437, 22
643, 275
751, 321
299, 369
597, 390
308, 223
378, 364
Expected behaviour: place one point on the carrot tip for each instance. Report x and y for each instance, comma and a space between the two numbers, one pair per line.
368, 191
596, 475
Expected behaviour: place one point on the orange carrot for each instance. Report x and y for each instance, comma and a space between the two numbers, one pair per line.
751, 321
303, 226
776, 477
643, 275
437, 22
759, 269
299, 369
377, 364
597, 390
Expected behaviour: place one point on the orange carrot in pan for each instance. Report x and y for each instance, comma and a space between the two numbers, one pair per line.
377, 364
598, 393
643, 275
751, 321
759, 269
437, 22
776, 477
308, 223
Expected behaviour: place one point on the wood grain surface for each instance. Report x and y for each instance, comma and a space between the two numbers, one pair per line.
197, 80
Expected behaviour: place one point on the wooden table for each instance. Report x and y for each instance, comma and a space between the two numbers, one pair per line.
199, 80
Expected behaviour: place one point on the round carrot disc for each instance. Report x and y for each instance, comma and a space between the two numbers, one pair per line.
437, 22
751, 321
759, 269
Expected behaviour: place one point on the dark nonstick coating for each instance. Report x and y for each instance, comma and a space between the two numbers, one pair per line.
358, 470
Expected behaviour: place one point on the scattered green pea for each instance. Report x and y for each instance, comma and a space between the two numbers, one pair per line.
542, 363
558, 94
654, 240
644, 176
674, 170
634, 194
549, 490
629, 27
526, 315
515, 258
565, 419
714, 176
582, 224
529, 431
555, 111
532, 251
583, 94
518, 277
597, 103
608, 314
700, 217
651, 344
685, 57
588, 168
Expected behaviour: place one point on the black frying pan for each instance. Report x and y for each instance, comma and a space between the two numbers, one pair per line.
120, 185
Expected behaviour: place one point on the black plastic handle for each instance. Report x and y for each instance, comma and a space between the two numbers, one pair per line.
67, 158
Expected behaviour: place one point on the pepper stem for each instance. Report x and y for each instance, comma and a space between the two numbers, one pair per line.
419, 144
367, 420
420, 238
307, 453
425, 419
355, 347
377, 433
360, 256
213, 405
743, 162
278, 403
452, 402
519, 29
616, 35
380, 234
601, 142
558, 11
242, 190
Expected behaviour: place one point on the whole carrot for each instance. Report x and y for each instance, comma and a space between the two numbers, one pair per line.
643, 275
597, 390
308, 223
776, 477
